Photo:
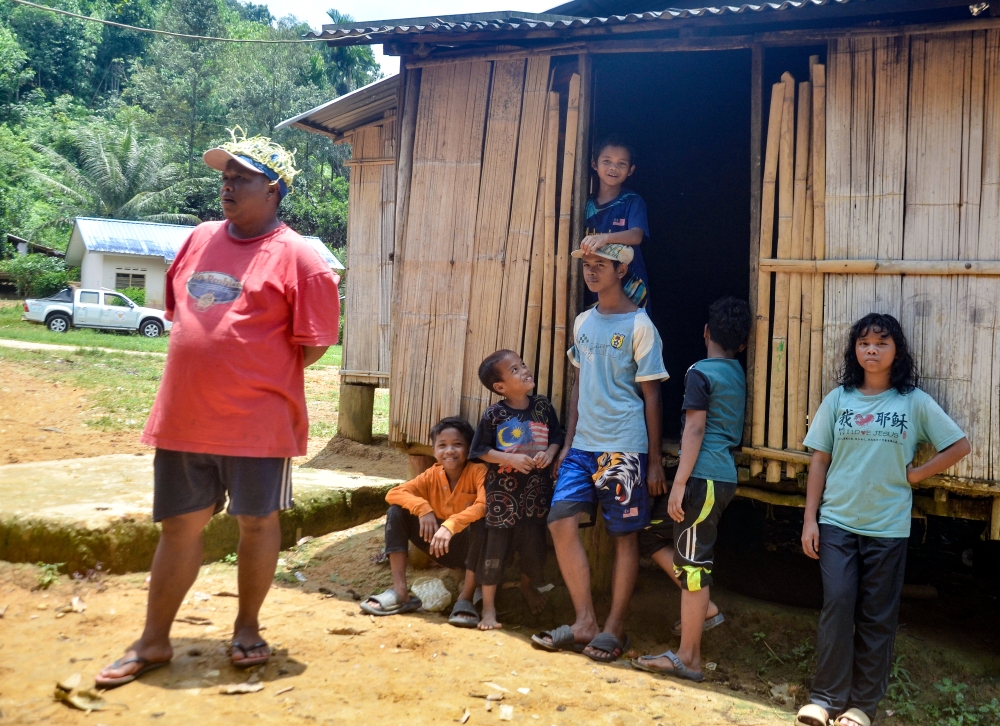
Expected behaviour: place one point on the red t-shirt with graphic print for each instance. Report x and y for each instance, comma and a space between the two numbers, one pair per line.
241, 310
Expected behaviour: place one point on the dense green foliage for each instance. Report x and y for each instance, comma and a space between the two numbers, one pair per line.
36, 275
103, 121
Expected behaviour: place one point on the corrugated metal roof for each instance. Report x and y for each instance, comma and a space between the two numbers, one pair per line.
125, 237
351, 110
381, 31
151, 239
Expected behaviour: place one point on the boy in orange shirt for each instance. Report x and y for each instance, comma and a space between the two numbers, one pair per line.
441, 511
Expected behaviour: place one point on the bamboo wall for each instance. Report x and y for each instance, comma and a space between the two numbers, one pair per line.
370, 243
484, 259
912, 148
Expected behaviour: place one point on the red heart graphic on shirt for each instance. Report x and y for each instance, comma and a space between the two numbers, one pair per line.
864, 420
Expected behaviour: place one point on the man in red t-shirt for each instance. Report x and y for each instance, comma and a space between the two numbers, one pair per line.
252, 305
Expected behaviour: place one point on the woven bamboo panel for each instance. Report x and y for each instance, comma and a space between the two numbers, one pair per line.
370, 239
866, 173
492, 227
435, 273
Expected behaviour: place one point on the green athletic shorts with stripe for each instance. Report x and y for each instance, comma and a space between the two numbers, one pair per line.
694, 538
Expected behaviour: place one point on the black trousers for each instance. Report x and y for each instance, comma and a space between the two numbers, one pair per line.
862, 585
403, 527
527, 538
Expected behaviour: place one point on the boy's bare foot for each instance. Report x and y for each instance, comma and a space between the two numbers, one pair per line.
489, 620
536, 600
138, 656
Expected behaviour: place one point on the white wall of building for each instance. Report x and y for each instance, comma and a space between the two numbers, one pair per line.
153, 268
92, 269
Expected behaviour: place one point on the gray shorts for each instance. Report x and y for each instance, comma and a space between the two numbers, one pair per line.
185, 483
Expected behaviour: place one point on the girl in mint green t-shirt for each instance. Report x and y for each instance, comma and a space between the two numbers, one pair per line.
857, 518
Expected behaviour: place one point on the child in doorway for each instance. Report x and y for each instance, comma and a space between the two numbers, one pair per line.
614, 423
616, 215
518, 437
714, 399
440, 511
863, 438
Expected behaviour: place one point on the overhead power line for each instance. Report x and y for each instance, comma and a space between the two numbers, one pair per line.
181, 36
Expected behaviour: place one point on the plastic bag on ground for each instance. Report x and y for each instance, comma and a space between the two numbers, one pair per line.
432, 593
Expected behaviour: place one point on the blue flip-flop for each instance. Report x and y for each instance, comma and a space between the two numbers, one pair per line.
712, 622
679, 670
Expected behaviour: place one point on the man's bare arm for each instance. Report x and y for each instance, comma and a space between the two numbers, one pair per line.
311, 354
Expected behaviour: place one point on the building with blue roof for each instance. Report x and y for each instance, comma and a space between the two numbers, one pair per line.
117, 253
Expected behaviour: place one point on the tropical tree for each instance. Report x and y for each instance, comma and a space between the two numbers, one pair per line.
349, 67
116, 175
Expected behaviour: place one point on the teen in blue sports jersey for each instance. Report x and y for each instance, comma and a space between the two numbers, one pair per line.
616, 215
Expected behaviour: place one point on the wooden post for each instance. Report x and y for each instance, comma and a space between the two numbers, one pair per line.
995, 520
355, 412
762, 332
819, 236
779, 335
581, 191
756, 135
562, 250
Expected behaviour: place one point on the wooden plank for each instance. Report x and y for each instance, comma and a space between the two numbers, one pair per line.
756, 159
436, 269
762, 329
562, 249
517, 259
581, 191
492, 226
987, 342
543, 374
779, 334
958, 268
802, 143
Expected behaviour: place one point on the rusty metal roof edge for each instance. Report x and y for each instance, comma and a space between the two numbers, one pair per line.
506, 21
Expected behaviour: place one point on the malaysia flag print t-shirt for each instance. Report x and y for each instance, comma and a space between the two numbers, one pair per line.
871, 440
242, 310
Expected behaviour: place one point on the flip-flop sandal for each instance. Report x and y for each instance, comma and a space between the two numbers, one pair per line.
608, 644
389, 604
710, 623
560, 638
248, 662
109, 683
812, 715
679, 670
854, 714
464, 615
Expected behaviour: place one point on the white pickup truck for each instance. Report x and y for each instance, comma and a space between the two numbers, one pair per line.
103, 309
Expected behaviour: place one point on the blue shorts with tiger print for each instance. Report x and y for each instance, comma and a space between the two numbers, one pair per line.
615, 480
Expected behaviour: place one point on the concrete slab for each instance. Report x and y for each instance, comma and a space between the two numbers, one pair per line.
84, 511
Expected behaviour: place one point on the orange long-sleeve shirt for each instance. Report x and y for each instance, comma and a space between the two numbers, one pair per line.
429, 492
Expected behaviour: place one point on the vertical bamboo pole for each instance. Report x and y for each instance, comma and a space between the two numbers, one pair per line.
795, 279
542, 375
533, 313
819, 236
763, 331
806, 327
779, 336
756, 169
562, 250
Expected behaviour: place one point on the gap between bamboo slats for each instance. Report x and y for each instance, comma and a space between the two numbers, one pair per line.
819, 236
492, 225
763, 332
779, 336
543, 374
562, 250
795, 279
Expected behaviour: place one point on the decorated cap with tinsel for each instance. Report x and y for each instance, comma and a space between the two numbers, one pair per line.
257, 153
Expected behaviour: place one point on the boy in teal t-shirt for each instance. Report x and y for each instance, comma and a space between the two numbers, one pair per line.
714, 402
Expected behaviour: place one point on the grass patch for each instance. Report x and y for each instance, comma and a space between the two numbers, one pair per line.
332, 357
122, 387
13, 328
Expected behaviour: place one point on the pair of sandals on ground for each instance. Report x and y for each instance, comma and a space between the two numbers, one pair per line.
606, 648
463, 613
145, 666
814, 715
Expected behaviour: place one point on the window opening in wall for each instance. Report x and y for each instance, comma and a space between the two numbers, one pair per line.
126, 277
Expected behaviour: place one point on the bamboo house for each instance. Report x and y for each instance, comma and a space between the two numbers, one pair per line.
821, 158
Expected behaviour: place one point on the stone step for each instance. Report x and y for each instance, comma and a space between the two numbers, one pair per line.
84, 511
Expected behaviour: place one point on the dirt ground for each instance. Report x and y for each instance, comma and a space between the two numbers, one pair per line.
43, 421
333, 665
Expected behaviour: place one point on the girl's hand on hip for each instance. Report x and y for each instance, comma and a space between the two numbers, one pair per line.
810, 540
